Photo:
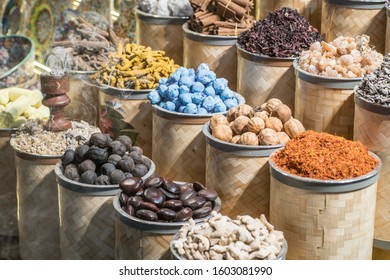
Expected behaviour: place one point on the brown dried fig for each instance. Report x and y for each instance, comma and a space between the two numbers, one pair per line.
268, 136
243, 110
283, 137
263, 114
249, 138
217, 120
222, 132
293, 127
271, 104
240, 125
255, 125
274, 123
235, 139
282, 112
231, 114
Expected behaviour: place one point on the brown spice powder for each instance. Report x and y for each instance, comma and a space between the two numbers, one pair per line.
321, 155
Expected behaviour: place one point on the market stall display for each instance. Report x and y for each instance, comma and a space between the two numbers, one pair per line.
179, 112
326, 75
372, 115
355, 17
266, 53
326, 186
149, 212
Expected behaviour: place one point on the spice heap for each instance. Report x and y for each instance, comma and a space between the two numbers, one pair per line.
283, 33
344, 57
268, 124
324, 156
86, 45
179, 8
19, 105
190, 92
105, 162
375, 88
221, 238
161, 199
135, 67
221, 17
33, 138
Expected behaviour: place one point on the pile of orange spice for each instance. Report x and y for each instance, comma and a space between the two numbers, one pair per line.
321, 155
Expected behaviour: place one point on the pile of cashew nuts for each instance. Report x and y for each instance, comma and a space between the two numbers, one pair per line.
221, 238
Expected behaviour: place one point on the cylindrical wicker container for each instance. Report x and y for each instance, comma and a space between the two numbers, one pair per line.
387, 38
372, 124
161, 33
84, 98
260, 78
219, 52
138, 239
87, 221
123, 111
37, 199
176, 256
20, 71
8, 209
355, 17
239, 174
179, 146
324, 219
310, 9
323, 103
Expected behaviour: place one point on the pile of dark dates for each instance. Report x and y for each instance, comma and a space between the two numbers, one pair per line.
163, 200
103, 161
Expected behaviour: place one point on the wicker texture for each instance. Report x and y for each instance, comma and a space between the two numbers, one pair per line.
345, 21
139, 114
324, 226
310, 9
242, 183
168, 38
8, 209
387, 39
258, 82
373, 130
87, 226
179, 149
324, 109
37, 210
378, 254
84, 101
221, 59
136, 244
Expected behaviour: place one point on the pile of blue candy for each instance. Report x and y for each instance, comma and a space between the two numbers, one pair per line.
194, 93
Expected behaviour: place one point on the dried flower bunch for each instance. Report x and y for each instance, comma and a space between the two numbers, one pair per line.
268, 124
344, 57
283, 33
324, 156
221, 17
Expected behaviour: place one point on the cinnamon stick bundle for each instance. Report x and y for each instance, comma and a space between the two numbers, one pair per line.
228, 9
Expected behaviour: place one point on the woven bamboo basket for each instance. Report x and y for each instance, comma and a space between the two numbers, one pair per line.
310, 9
219, 52
134, 108
324, 219
87, 219
323, 103
239, 174
161, 33
138, 239
387, 38
260, 78
84, 98
37, 199
354, 17
179, 147
372, 124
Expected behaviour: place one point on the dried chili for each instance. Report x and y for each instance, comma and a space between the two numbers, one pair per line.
321, 155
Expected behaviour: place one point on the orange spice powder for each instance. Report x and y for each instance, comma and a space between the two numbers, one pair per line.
321, 155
